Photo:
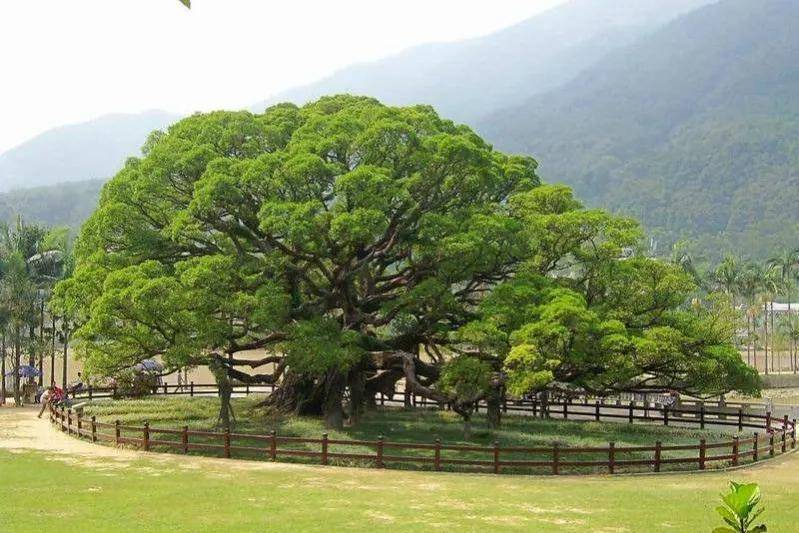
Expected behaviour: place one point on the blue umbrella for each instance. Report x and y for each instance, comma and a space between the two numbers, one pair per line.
26, 371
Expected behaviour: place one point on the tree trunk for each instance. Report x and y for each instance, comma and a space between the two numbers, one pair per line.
52, 353
41, 344
467, 427
358, 399
332, 410
773, 339
765, 335
297, 393
3, 370
17, 361
64, 362
226, 414
494, 402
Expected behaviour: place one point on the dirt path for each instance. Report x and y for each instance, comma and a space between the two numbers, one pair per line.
21, 430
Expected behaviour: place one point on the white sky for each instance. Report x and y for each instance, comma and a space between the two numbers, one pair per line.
65, 61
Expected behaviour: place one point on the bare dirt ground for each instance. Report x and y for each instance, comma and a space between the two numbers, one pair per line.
21, 430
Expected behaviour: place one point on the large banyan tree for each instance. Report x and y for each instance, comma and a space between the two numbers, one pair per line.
355, 245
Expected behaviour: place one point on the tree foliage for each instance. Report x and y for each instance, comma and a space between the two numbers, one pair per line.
359, 244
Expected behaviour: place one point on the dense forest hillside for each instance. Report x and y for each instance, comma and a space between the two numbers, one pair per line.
66, 204
694, 129
77, 152
465, 80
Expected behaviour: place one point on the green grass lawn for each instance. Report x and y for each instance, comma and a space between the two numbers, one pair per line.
399, 425
167, 493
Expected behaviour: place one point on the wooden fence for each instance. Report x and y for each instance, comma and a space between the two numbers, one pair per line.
684, 408
773, 436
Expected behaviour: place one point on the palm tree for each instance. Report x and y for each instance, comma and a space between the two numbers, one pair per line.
786, 264
770, 286
749, 281
32, 259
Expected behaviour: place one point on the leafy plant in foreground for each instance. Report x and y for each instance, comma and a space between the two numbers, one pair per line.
740, 509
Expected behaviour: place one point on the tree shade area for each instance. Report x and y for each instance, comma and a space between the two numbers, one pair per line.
357, 245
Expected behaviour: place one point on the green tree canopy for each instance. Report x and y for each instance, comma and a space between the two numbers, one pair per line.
359, 244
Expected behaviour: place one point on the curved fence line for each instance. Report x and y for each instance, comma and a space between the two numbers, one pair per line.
778, 436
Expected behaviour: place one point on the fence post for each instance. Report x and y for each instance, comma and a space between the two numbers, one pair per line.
702, 416
496, 457
247, 390
80, 423
555, 458
69, 421
114, 391
735, 451
612, 458
785, 424
658, 445
665, 416
116, 432
771, 444
535, 408
793, 434
596, 411
740, 420
380, 452
382, 399
94, 429
90, 392
184, 439
146, 433
632, 408
565, 409
226, 438
754, 447
504, 404
324, 448
437, 458
191, 389
702, 454
768, 420
273, 445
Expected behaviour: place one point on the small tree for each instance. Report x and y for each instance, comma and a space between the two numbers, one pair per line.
467, 380
740, 509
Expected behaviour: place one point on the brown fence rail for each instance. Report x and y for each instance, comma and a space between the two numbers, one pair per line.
719, 413
775, 436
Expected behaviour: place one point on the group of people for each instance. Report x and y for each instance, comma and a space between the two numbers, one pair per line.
56, 396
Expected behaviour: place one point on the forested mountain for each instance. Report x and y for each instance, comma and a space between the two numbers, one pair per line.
693, 129
466, 80
77, 152
66, 204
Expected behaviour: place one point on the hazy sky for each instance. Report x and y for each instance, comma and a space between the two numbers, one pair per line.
65, 61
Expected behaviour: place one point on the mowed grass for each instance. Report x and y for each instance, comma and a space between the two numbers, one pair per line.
155, 493
401, 426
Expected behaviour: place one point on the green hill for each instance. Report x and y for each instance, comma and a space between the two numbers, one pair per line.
693, 129
67, 204
90, 150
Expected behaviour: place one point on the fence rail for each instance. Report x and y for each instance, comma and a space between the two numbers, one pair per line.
773, 436
687, 407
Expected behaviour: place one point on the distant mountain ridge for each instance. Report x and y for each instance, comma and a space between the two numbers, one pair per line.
90, 150
466, 80
694, 129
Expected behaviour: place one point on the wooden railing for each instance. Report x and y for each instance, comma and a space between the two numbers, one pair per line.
685, 408
775, 436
